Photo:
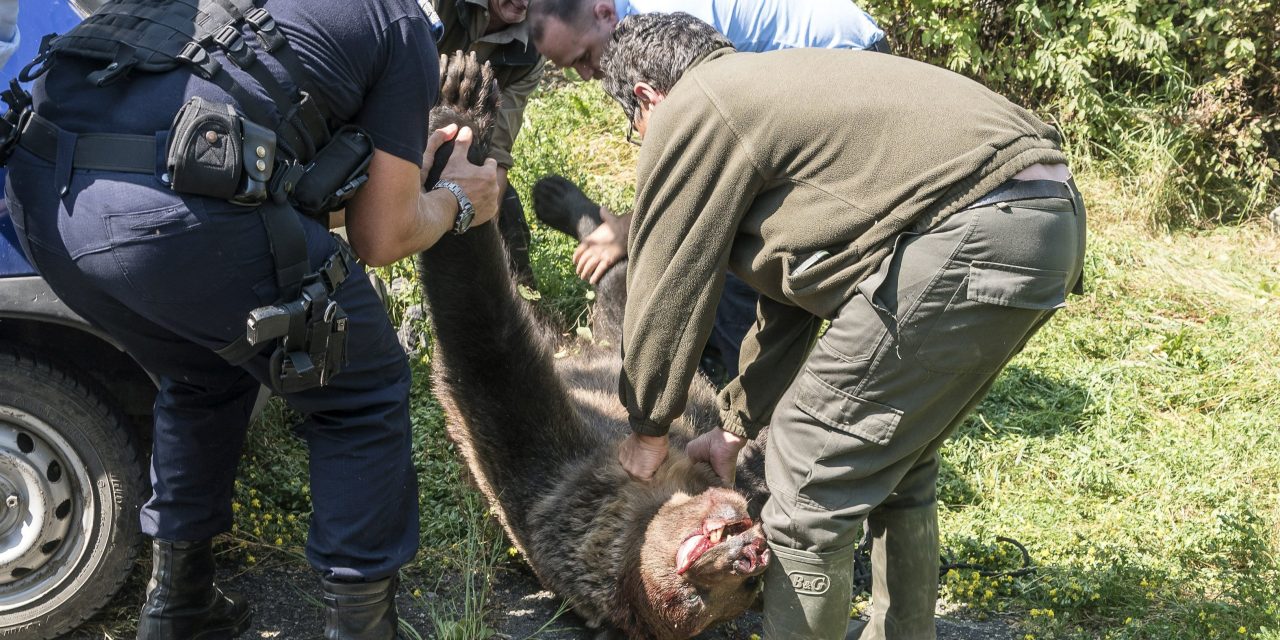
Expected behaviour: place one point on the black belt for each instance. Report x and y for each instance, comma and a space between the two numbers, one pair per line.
100, 151
1013, 190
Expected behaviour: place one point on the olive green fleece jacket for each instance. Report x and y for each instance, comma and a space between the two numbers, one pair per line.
464, 24
795, 169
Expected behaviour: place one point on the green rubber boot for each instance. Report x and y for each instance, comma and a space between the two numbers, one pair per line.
806, 595
904, 574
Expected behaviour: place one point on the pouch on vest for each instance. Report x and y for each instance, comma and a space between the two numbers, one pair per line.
337, 171
215, 152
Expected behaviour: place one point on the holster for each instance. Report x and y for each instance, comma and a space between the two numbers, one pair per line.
312, 330
312, 361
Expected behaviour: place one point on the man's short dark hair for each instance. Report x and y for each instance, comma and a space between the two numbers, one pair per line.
570, 12
655, 48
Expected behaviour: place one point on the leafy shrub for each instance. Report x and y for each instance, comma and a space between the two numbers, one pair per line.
1182, 94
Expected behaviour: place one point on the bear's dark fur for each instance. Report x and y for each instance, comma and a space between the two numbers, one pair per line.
539, 432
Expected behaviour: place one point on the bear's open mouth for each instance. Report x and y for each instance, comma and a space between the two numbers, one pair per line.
714, 532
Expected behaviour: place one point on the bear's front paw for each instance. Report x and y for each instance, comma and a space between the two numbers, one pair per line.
468, 94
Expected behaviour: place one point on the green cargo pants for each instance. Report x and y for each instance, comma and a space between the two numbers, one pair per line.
857, 434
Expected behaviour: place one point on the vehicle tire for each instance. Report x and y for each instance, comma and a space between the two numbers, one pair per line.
71, 484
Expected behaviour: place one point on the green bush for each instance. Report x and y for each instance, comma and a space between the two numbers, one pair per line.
1183, 95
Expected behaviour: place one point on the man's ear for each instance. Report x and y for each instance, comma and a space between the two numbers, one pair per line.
647, 94
604, 12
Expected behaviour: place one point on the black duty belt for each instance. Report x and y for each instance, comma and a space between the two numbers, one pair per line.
1014, 190
99, 151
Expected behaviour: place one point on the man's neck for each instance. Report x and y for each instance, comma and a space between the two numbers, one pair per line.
495, 23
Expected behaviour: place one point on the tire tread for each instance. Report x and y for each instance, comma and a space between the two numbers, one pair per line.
25, 362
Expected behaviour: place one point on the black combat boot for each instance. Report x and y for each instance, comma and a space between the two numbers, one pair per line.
360, 610
183, 603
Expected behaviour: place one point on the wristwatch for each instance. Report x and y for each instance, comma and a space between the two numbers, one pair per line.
466, 212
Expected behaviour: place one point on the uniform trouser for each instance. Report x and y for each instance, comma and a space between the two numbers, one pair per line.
905, 360
172, 279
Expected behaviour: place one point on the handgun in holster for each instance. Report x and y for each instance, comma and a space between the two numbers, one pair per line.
312, 331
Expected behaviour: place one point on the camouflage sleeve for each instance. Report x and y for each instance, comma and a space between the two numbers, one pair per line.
773, 352
515, 96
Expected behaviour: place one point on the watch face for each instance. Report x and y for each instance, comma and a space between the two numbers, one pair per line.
464, 220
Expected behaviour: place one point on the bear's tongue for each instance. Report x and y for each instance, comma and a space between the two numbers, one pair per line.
698, 544
689, 552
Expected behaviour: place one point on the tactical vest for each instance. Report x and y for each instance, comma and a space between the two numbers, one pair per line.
212, 150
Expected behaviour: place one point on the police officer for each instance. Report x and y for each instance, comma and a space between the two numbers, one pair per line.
497, 32
930, 221
127, 243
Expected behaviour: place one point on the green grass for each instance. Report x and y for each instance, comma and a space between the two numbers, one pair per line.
1132, 447
573, 130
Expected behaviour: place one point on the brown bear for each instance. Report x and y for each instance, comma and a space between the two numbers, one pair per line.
538, 423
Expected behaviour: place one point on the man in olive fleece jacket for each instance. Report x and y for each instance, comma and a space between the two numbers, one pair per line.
930, 220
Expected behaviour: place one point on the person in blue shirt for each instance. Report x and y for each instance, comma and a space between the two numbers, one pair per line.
9, 35
573, 33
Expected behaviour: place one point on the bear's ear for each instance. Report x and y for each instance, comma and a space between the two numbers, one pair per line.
468, 93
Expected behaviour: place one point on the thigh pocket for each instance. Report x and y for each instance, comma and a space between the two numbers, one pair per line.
989, 316
843, 411
861, 429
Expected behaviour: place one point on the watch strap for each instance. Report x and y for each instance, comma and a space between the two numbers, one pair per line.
466, 211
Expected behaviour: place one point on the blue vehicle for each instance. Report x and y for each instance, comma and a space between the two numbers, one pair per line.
75, 414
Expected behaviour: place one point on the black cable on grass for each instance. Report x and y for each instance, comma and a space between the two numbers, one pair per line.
1025, 569
862, 565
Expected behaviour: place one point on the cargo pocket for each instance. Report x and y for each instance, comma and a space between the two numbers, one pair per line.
862, 428
989, 316
845, 412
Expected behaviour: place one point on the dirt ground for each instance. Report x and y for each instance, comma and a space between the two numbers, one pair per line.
284, 594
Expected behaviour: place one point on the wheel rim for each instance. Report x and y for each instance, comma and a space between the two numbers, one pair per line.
45, 519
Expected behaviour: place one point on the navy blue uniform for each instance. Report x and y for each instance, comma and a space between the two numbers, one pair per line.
173, 277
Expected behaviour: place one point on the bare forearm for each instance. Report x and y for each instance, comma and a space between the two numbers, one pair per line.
437, 211
392, 217
384, 239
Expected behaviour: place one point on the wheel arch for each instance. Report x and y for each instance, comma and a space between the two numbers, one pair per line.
33, 317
